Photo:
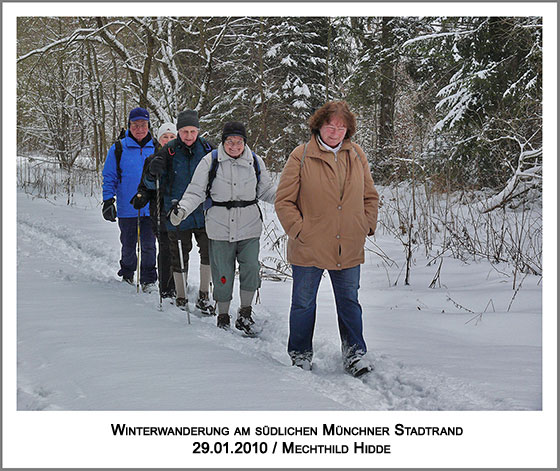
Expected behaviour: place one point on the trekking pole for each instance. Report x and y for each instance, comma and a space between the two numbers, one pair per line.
183, 275
180, 246
138, 254
159, 242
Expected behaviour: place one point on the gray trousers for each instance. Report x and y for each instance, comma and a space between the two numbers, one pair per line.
223, 255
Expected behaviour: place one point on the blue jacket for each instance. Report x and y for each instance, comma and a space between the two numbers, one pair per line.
181, 164
132, 162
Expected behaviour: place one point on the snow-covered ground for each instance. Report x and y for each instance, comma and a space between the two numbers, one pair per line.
86, 341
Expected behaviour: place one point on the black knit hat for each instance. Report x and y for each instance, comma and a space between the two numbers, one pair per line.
187, 118
234, 128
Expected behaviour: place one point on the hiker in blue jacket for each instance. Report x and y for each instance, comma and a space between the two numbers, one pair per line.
120, 180
174, 166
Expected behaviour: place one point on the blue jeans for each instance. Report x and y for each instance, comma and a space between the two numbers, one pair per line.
129, 237
345, 285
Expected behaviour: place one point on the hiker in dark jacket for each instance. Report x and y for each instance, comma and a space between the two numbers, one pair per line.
166, 132
121, 179
174, 166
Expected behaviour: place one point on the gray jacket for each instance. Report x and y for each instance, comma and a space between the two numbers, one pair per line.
235, 181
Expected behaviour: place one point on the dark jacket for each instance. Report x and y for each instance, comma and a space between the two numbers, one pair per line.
181, 162
145, 196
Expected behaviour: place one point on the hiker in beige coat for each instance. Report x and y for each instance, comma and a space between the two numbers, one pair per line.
327, 203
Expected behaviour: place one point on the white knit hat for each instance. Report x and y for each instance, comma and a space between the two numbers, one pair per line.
166, 127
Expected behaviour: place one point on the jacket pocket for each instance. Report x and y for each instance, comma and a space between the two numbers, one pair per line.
309, 229
214, 218
360, 222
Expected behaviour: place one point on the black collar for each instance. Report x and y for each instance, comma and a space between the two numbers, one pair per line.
144, 141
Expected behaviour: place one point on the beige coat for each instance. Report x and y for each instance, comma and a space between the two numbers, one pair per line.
327, 223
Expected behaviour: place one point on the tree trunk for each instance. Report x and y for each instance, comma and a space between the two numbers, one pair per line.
262, 135
387, 89
329, 38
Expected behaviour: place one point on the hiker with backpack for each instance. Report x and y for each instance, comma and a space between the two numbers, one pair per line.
121, 174
173, 167
166, 132
327, 203
230, 181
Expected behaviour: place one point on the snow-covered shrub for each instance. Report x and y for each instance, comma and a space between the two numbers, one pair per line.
453, 224
44, 178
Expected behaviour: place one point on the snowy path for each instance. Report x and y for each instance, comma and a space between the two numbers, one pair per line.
89, 342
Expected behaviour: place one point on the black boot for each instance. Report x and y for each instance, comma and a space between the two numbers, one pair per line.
223, 321
204, 305
303, 363
168, 294
181, 303
128, 279
357, 365
245, 320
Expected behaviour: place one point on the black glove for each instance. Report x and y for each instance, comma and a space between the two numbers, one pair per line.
157, 166
109, 210
139, 200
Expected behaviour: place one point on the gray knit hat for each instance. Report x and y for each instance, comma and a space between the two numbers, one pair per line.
166, 127
188, 118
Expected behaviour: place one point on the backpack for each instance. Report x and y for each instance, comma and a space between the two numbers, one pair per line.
209, 202
119, 149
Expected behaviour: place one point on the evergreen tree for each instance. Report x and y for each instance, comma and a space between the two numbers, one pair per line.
379, 87
456, 98
490, 87
270, 76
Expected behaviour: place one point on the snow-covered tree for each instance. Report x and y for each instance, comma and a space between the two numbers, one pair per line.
53, 99
489, 75
451, 98
380, 90
270, 75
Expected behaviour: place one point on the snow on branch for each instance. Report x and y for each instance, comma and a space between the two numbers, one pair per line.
432, 36
210, 52
78, 35
524, 178
426, 37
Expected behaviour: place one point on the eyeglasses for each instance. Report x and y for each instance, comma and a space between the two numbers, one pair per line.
140, 124
234, 142
330, 128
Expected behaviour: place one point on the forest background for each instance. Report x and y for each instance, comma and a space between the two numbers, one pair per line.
446, 106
